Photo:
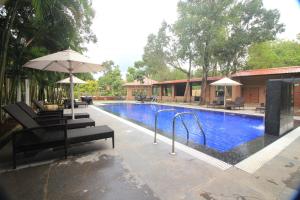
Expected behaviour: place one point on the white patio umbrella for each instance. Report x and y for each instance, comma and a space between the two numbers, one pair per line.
75, 81
68, 81
67, 61
225, 82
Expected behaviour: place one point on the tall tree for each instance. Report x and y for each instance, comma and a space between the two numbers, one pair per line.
273, 54
179, 51
110, 83
228, 25
248, 23
154, 57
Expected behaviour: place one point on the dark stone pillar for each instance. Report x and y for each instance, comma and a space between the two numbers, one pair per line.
279, 107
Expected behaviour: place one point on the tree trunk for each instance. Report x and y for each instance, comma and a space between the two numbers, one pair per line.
187, 92
203, 86
204, 74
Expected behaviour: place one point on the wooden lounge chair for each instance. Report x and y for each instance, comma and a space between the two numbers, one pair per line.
42, 111
36, 137
43, 119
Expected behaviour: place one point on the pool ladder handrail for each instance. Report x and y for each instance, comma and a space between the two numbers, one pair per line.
188, 133
156, 115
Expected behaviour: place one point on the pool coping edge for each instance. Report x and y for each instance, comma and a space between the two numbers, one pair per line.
258, 159
178, 146
250, 164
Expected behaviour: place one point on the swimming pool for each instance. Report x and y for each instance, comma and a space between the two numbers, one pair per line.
225, 132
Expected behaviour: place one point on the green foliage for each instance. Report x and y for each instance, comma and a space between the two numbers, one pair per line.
91, 88
273, 54
248, 22
154, 59
210, 35
134, 73
175, 74
85, 76
111, 82
222, 30
33, 28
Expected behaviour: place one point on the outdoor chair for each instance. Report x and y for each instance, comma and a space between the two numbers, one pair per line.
43, 111
35, 137
238, 103
215, 103
44, 119
67, 103
154, 98
87, 99
261, 108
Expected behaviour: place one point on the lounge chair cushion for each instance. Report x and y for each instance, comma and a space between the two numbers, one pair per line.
89, 134
56, 137
78, 123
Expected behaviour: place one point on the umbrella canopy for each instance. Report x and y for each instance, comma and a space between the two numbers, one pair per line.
225, 82
64, 61
75, 80
67, 61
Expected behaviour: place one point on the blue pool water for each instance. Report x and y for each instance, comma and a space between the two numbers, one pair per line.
224, 131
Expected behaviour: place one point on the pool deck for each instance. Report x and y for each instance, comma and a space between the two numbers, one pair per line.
137, 169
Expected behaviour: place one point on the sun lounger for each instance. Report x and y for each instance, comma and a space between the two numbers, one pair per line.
33, 136
238, 103
42, 111
44, 119
216, 103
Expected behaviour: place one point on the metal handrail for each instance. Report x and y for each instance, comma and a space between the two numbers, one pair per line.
188, 133
156, 115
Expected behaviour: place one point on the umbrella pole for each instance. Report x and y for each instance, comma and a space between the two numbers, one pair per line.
225, 96
72, 95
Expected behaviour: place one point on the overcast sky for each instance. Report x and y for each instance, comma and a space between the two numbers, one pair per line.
122, 26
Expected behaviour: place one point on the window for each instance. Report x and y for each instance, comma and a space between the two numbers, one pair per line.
180, 89
196, 90
136, 92
167, 90
155, 91
220, 91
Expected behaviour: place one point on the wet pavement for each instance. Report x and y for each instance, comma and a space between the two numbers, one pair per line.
97, 176
137, 169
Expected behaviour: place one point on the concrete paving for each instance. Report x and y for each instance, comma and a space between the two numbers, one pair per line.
137, 169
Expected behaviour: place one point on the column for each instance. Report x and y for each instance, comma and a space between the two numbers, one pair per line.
19, 92
27, 92
173, 92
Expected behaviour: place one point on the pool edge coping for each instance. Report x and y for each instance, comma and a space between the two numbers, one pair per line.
250, 164
261, 157
178, 146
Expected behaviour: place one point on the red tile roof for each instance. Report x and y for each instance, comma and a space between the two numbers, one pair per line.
269, 71
254, 72
214, 78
